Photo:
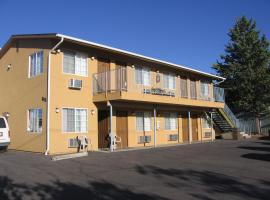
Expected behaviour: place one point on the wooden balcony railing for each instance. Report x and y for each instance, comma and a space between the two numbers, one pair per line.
123, 79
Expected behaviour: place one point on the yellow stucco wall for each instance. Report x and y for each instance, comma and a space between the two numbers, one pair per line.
64, 97
20, 93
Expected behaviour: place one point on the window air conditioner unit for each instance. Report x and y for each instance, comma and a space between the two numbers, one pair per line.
207, 134
144, 139
173, 137
73, 143
75, 84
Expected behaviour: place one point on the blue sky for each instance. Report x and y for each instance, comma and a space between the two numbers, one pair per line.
192, 32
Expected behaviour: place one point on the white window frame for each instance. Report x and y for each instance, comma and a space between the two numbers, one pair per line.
76, 53
206, 121
39, 131
30, 64
169, 116
143, 116
169, 75
75, 108
144, 70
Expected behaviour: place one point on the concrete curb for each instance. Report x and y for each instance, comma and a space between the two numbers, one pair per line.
69, 156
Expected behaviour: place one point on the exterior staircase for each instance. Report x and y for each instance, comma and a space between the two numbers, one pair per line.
222, 120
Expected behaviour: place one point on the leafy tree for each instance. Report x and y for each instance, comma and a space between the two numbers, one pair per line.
245, 66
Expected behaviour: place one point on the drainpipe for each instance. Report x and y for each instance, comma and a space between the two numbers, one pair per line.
111, 127
49, 96
189, 128
217, 83
155, 127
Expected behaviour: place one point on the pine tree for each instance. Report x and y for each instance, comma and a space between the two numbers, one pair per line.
245, 66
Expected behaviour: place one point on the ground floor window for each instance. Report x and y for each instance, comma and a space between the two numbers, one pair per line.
206, 122
170, 121
143, 121
34, 118
74, 120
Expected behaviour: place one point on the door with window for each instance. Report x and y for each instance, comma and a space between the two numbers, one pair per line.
122, 128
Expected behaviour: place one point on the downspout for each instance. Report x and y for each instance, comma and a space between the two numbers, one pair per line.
49, 97
217, 83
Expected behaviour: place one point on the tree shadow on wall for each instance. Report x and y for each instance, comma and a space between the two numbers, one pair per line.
210, 183
60, 190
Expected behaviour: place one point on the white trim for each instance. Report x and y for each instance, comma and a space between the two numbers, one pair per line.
75, 108
48, 111
138, 55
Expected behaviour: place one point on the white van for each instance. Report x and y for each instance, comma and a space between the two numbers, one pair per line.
4, 133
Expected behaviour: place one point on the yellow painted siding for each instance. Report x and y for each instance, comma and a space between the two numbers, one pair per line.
20, 93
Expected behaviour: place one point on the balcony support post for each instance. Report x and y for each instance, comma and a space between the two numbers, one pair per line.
155, 126
111, 127
189, 128
212, 132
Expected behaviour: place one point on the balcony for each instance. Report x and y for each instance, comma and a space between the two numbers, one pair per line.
127, 83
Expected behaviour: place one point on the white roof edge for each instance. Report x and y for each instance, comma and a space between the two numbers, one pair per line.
138, 55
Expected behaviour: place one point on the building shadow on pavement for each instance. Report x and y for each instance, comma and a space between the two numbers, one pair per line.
207, 185
60, 190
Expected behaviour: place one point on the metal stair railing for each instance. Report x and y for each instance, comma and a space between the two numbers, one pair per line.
231, 115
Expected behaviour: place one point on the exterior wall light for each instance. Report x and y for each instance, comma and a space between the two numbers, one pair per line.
57, 110
6, 115
92, 112
93, 58
8, 67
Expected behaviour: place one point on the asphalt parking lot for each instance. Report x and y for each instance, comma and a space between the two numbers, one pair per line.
207, 171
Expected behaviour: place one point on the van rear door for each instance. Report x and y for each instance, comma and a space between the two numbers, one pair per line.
4, 132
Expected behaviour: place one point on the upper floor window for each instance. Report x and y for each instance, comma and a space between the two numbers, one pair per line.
74, 120
143, 121
169, 81
170, 121
36, 64
75, 63
204, 89
142, 76
34, 119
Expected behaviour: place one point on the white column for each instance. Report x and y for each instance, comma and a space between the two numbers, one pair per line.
212, 132
155, 127
189, 128
111, 127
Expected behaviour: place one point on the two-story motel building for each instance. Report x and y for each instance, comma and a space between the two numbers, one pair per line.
55, 88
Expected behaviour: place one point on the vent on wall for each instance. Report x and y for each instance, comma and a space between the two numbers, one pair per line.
73, 143
75, 84
207, 134
144, 139
173, 137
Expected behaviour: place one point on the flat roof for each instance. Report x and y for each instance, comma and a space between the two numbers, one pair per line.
93, 44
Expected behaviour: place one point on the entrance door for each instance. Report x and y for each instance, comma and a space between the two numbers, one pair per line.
122, 128
194, 122
103, 129
185, 134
